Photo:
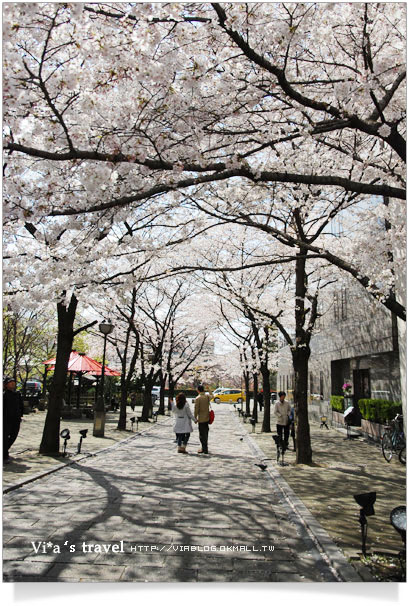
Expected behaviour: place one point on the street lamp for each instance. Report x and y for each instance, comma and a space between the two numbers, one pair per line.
100, 414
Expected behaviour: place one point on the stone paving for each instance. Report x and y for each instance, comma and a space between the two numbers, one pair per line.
26, 462
139, 511
342, 468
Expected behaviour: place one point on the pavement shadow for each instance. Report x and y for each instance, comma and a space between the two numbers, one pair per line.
192, 516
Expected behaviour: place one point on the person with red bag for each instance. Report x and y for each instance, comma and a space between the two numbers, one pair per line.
182, 426
202, 415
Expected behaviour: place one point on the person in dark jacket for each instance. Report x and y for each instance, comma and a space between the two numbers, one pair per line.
12, 413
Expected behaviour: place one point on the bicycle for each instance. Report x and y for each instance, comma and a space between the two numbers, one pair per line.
393, 440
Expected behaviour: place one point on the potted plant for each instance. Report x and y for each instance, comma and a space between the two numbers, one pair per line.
347, 387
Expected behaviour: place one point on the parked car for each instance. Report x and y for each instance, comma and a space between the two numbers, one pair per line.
219, 390
33, 388
229, 395
155, 392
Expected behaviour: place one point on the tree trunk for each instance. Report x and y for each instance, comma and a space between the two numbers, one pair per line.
44, 387
301, 354
122, 419
246, 375
161, 407
265, 373
171, 390
147, 403
50, 443
302, 436
147, 399
255, 396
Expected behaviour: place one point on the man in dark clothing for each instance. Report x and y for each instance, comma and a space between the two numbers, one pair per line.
260, 400
12, 413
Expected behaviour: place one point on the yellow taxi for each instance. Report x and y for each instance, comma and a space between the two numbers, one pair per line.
229, 395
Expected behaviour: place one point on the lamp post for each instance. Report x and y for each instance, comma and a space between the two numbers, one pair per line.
100, 414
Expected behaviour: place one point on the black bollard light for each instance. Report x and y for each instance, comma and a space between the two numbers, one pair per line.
132, 421
366, 502
155, 415
324, 422
278, 446
252, 421
65, 434
83, 434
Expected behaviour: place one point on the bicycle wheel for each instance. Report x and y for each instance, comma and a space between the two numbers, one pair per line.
387, 447
402, 456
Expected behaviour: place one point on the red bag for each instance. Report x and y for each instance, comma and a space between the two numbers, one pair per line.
211, 417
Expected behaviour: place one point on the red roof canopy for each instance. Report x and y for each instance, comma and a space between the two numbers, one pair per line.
82, 363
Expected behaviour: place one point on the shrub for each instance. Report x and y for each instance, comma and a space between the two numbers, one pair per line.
337, 403
379, 411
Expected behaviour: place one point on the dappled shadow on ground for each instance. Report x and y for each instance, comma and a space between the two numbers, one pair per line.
145, 494
343, 468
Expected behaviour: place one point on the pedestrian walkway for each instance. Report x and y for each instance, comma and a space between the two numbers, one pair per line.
139, 511
342, 468
27, 464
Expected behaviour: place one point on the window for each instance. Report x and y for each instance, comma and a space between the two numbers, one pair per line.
340, 305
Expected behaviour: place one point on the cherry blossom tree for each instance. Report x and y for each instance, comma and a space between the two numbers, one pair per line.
118, 113
288, 88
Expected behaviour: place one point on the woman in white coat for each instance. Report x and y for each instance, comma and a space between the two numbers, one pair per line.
183, 426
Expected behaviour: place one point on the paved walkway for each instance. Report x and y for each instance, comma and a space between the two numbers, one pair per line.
26, 462
341, 469
163, 516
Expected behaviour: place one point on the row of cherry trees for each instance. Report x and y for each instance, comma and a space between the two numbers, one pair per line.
143, 140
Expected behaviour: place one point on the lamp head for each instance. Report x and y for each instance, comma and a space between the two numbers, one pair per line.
132, 419
366, 501
65, 434
106, 327
83, 433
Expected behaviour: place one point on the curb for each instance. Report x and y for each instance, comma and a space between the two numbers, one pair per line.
342, 570
51, 470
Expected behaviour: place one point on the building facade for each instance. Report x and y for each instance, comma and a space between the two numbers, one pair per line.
356, 342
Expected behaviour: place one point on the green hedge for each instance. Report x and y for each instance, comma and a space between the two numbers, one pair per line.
337, 403
379, 411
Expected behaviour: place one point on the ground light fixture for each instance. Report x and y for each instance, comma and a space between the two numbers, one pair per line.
132, 421
65, 434
252, 421
280, 450
323, 420
83, 434
366, 502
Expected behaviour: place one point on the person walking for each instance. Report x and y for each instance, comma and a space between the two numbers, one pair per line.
183, 426
260, 400
202, 415
282, 411
13, 408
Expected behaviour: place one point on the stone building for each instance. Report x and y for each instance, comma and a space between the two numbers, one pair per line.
356, 341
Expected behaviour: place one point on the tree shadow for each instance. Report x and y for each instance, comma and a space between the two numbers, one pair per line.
185, 505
